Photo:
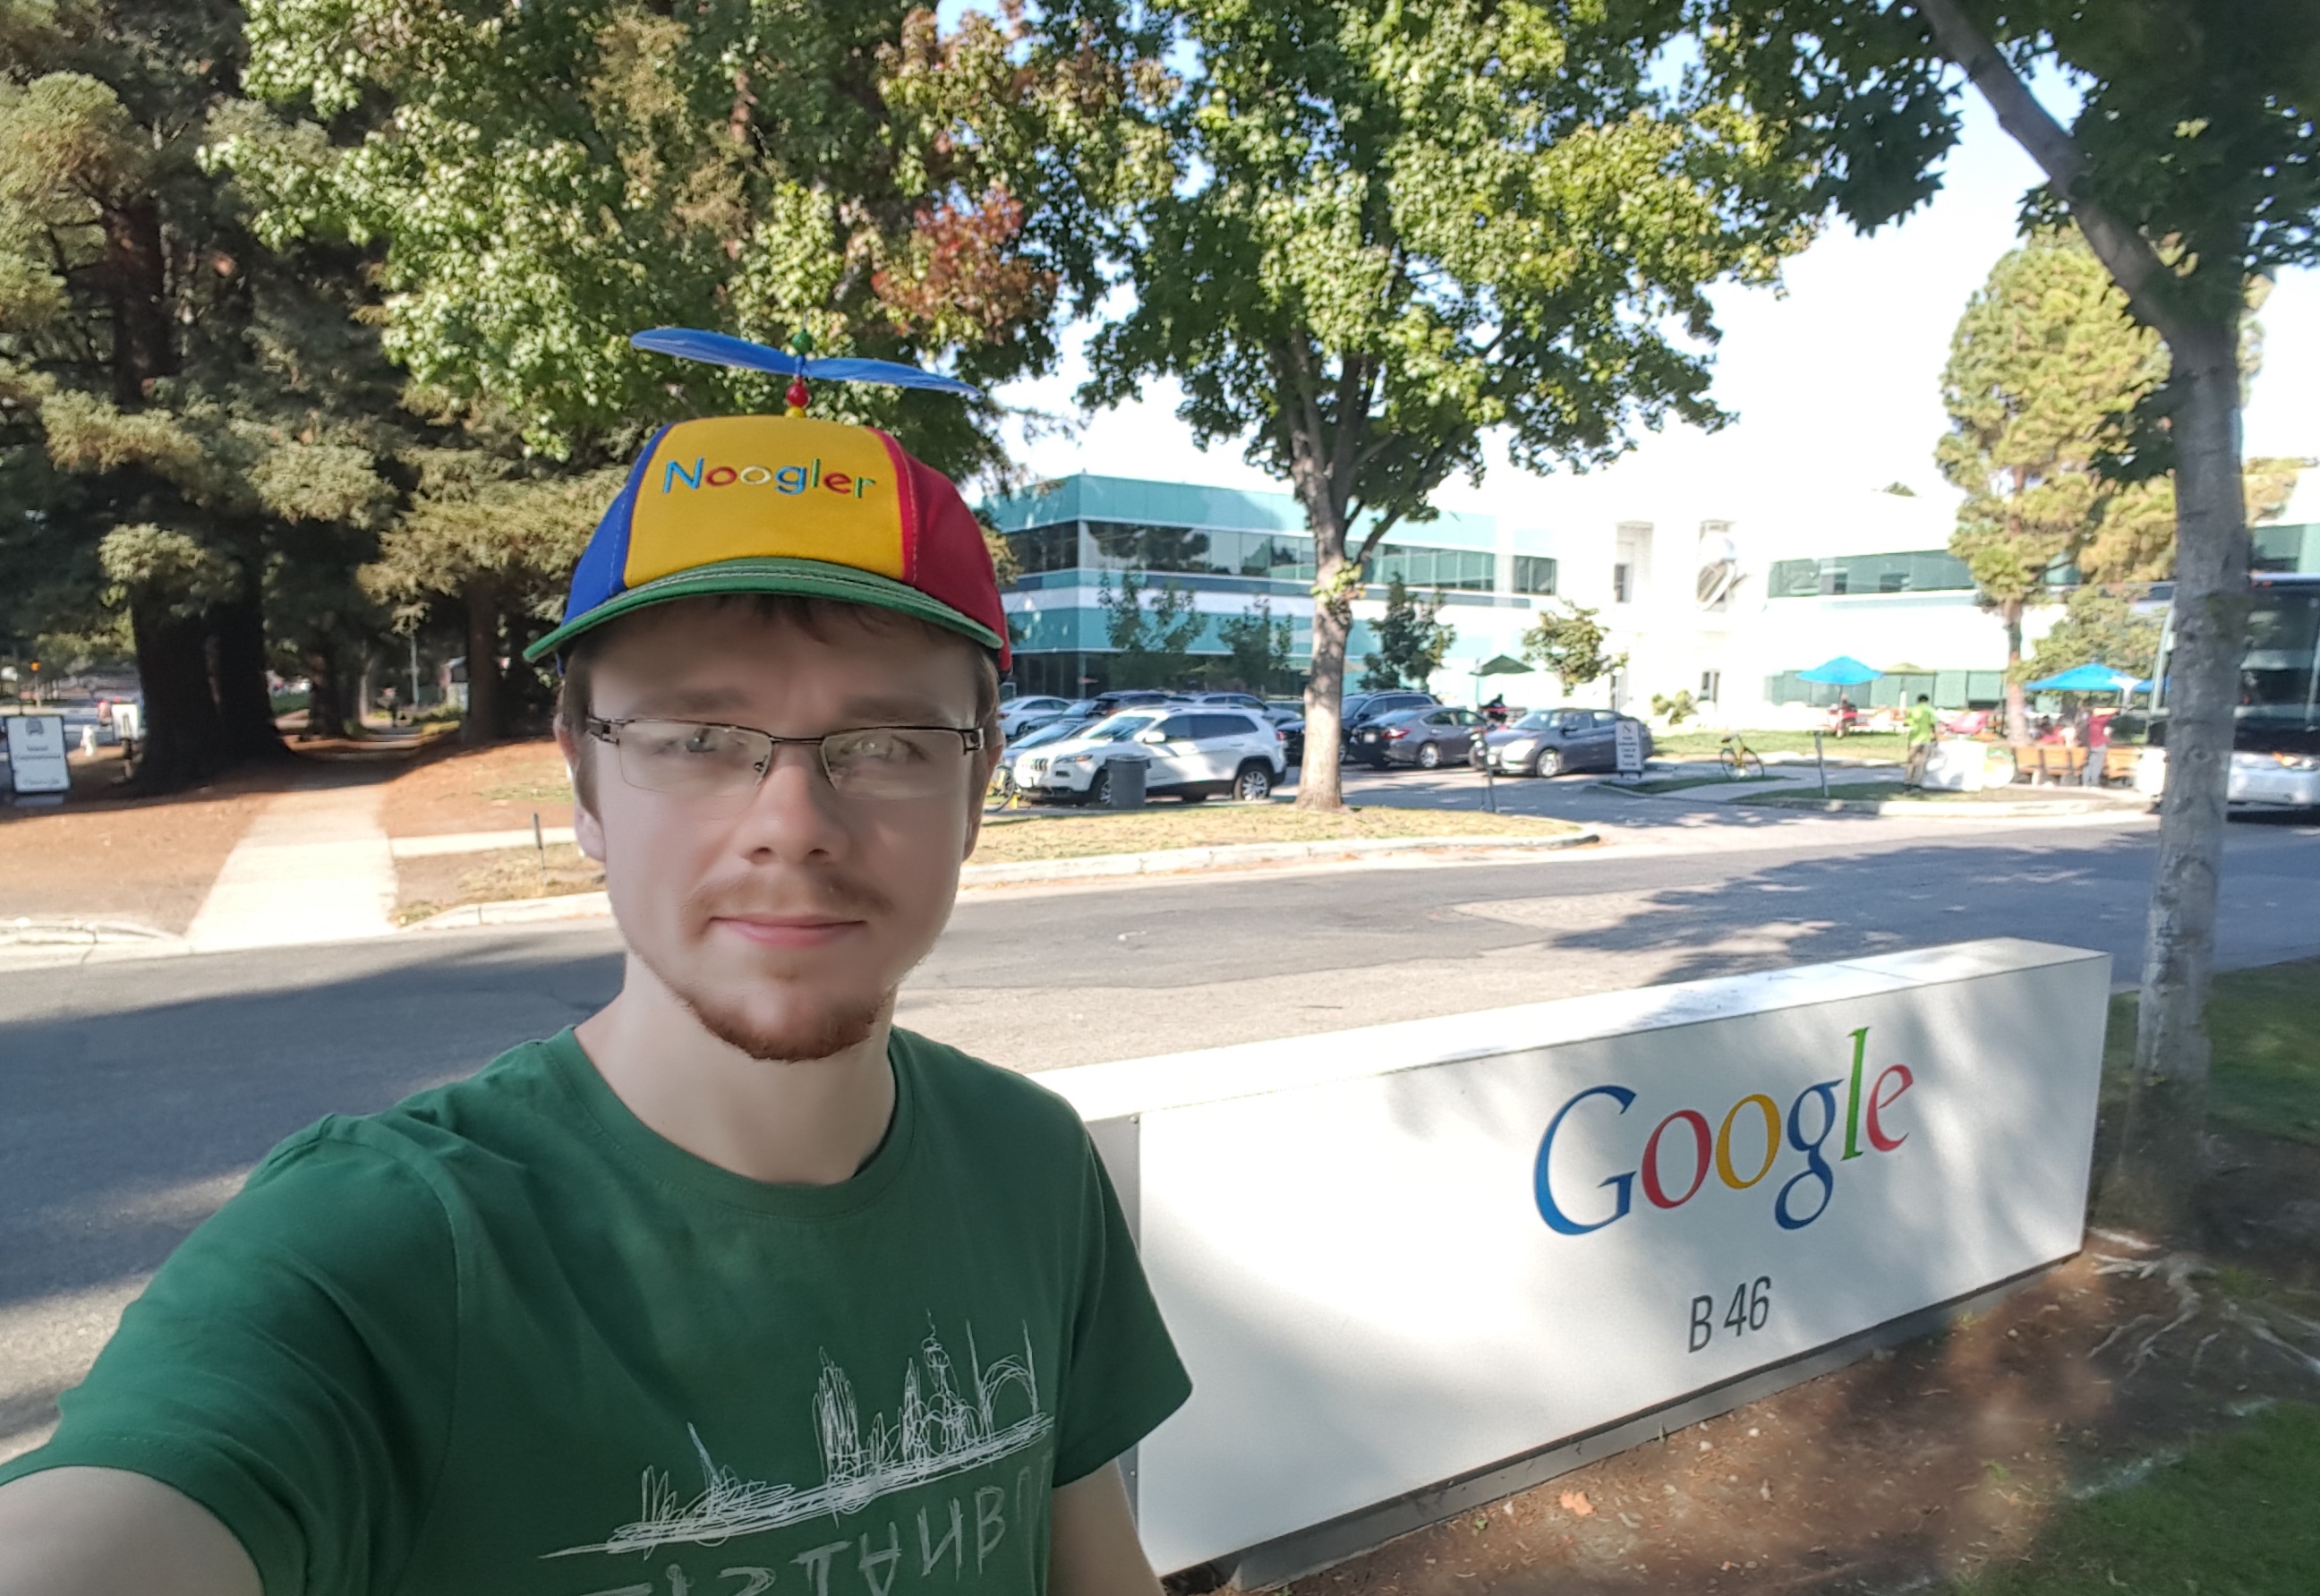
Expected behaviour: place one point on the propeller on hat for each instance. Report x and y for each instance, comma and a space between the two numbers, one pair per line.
715, 348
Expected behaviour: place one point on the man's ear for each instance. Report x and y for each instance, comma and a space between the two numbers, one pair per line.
587, 832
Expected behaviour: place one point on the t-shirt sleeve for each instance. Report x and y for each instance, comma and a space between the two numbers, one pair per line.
1123, 1376
290, 1368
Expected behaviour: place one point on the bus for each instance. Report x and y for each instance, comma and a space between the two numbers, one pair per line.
2276, 732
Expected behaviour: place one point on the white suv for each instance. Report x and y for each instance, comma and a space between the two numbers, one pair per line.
1192, 751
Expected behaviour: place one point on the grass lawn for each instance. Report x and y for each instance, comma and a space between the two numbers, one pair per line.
1704, 745
2239, 1516
433, 883
1065, 834
2264, 1026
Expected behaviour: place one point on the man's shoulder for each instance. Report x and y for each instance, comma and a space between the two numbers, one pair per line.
403, 1158
959, 1085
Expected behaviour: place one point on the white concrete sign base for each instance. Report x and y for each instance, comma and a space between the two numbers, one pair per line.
1404, 1257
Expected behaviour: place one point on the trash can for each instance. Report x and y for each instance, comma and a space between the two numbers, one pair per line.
1122, 778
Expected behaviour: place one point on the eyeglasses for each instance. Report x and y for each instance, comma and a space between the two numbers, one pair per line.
695, 759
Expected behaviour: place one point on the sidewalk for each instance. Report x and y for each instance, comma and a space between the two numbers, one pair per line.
315, 866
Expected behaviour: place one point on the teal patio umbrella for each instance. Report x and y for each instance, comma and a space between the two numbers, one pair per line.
1843, 671
2086, 678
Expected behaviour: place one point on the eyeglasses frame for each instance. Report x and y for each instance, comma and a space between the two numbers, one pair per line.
971, 738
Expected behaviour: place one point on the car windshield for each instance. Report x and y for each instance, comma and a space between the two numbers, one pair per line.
1119, 728
1053, 731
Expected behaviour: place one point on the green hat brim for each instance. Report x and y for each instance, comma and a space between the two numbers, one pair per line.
799, 578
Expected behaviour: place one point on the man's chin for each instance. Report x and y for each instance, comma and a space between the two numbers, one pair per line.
790, 1032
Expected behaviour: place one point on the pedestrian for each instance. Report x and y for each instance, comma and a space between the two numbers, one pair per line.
851, 1304
2097, 749
1845, 714
1919, 729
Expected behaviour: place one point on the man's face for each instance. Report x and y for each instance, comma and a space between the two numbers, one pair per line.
785, 917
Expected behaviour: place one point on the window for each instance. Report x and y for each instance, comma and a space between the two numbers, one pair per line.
1622, 587
1046, 548
1205, 727
1605, 720
1711, 683
1534, 574
1178, 728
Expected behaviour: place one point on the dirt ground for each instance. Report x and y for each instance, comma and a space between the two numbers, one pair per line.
431, 884
1929, 1463
488, 789
149, 861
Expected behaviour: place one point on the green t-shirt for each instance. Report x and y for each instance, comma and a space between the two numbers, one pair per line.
1920, 722
503, 1339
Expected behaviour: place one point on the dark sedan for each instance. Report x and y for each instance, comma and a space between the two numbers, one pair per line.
1549, 742
1430, 737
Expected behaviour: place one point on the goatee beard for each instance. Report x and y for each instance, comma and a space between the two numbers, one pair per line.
829, 1029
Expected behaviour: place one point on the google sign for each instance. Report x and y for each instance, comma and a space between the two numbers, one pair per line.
1754, 1124
1414, 1268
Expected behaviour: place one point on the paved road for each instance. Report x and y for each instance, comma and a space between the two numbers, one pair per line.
137, 1095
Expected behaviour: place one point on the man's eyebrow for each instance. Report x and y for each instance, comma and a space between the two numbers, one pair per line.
895, 711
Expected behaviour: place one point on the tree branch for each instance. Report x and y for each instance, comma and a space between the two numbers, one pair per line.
2133, 263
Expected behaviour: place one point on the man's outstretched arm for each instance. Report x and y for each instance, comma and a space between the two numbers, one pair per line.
106, 1532
1092, 1549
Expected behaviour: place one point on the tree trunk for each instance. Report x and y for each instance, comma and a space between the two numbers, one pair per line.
326, 694
245, 702
136, 284
1319, 784
2017, 708
2159, 1149
183, 741
486, 717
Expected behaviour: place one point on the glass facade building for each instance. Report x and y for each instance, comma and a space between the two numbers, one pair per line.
1231, 552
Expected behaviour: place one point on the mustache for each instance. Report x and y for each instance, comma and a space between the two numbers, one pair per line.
840, 897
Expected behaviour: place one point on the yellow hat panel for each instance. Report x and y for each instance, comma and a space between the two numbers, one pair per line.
741, 487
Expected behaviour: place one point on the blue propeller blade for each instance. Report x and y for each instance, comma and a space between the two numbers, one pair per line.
715, 348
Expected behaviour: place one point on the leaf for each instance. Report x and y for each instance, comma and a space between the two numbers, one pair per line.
1575, 1503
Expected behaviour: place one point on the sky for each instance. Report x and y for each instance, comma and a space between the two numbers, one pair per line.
1834, 380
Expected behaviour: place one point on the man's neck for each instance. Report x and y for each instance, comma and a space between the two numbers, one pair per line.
812, 1122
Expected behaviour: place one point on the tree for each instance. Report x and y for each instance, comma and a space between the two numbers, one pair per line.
1260, 647
176, 424
1154, 641
2099, 626
1411, 640
1567, 642
2042, 367
2191, 167
1364, 237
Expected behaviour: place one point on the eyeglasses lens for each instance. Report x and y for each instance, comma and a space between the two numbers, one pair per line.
886, 763
691, 761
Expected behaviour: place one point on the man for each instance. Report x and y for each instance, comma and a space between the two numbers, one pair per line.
734, 1288
1919, 726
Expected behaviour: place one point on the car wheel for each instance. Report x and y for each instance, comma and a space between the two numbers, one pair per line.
1254, 785
1100, 790
1429, 756
1548, 762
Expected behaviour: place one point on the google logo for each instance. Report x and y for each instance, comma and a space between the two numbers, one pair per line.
1750, 1134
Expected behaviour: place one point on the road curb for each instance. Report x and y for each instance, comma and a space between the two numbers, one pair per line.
1917, 806
1173, 861
29, 944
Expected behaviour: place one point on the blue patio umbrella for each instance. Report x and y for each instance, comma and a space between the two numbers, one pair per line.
2086, 678
1843, 671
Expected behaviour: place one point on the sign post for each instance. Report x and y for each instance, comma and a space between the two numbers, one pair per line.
37, 769
1628, 739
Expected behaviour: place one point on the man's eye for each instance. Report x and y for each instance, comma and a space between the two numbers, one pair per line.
881, 747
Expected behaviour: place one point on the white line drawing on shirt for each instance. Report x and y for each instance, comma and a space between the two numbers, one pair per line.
937, 1433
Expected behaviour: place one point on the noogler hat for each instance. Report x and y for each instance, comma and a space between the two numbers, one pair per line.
786, 505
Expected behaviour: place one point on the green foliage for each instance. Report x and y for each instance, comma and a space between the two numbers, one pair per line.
2098, 626
542, 181
1411, 640
1260, 648
1674, 710
1567, 642
1153, 640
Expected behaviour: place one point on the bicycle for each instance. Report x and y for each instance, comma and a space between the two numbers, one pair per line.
1738, 760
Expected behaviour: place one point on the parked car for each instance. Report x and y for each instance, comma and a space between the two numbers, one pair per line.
1549, 742
1014, 714
1359, 709
1293, 736
1428, 738
1126, 698
1240, 701
1193, 752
